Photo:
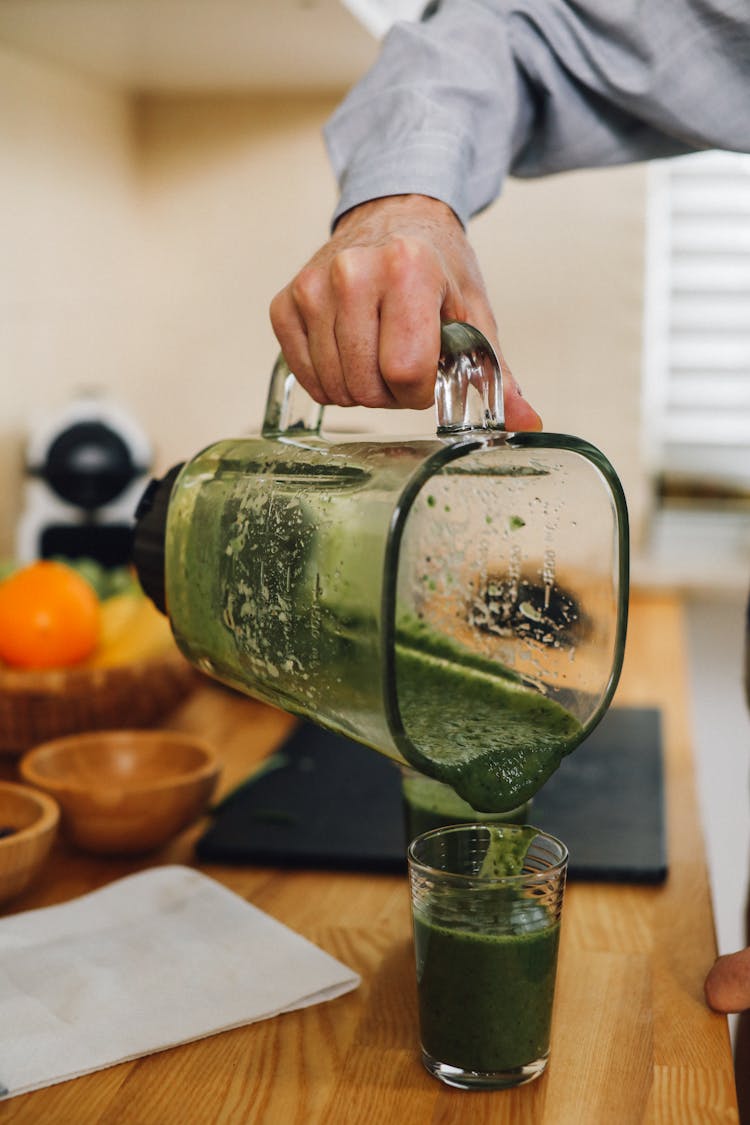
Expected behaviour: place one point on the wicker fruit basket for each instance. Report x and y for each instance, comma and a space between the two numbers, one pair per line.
37, 706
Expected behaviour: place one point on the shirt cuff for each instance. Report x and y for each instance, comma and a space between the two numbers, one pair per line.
439, 166
430, 169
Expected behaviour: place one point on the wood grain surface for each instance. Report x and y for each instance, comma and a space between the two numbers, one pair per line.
632, 1042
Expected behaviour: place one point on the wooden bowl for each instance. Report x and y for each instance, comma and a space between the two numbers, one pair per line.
124, 792
37, 706
33, 817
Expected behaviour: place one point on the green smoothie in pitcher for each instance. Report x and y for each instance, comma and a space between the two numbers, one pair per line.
280, 590
479, 730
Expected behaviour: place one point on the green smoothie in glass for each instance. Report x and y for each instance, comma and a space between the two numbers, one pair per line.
486, 904
485, 1000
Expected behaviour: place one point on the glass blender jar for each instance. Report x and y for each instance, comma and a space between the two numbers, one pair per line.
458, 602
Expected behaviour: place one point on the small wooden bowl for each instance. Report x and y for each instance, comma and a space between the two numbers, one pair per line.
124, 792
33, 817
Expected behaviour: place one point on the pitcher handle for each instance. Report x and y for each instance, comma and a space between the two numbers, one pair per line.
469, 384
468, 389
289, 408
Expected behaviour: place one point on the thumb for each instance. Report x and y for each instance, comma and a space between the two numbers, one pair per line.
727, 986
519, 414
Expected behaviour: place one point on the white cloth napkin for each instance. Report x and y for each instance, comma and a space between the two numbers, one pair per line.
158, 958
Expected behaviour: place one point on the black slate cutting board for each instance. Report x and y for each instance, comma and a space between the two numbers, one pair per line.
323, 801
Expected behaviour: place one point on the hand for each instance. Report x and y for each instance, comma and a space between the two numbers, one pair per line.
360, 323
728, 983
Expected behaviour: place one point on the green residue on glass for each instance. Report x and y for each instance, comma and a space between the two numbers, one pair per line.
294, 611
529, 611
515, 522
506, 851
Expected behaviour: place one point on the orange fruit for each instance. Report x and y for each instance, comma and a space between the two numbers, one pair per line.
49, 617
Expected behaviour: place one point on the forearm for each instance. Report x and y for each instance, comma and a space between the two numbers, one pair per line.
484, 89
488, 88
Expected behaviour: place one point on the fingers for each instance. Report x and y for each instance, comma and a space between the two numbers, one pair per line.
361, 350
363, 326
356, 286
409, 342
292, 335
302, 318
727, 986
360, 323
328, 323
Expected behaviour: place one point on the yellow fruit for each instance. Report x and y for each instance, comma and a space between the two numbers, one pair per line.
117, 616
132, 630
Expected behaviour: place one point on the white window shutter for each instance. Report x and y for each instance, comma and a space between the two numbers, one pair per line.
697, 338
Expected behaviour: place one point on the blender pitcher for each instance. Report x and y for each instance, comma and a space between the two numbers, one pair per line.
457, 603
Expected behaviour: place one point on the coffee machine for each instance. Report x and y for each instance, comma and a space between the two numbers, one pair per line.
86, 466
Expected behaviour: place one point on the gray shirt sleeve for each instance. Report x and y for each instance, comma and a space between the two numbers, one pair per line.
489, 88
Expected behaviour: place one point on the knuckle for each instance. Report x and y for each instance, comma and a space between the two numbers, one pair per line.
410, 377
349, 272
405, 256
278, 310
307, 289
404, 371
315, 390
374, 397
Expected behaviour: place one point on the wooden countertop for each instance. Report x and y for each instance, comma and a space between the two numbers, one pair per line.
632, 1039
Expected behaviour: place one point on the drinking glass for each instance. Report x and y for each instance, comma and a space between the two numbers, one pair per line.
486, 906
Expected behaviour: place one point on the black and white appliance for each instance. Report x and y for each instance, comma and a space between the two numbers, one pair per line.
86, 467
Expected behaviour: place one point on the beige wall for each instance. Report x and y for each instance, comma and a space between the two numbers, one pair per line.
142, 242
68, 248
564, 262
238, 194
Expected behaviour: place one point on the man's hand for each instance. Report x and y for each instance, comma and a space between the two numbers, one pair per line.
360, 323
728, 983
